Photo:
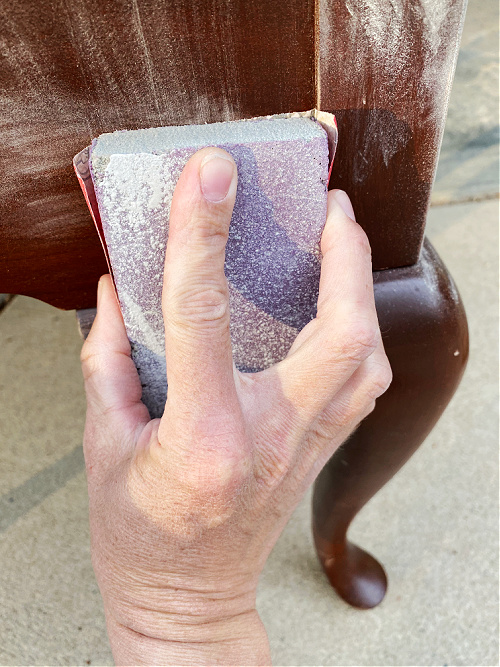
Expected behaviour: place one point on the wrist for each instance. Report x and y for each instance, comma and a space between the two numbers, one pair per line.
235, 640
207, 623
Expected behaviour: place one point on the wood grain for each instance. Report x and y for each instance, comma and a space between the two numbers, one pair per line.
385, 70
72, 70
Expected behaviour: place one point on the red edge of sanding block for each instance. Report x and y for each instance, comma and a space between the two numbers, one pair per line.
82, 167
82, 170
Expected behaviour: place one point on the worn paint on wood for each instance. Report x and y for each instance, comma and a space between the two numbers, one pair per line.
385, 70
73, 70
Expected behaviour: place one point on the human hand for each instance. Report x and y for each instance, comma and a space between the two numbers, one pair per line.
184, 510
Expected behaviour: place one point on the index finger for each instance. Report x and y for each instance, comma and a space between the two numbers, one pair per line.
345, 331
195, 293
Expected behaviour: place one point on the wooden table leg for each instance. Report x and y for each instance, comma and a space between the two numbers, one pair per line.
425, 333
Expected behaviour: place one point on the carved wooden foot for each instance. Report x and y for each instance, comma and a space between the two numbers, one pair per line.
425, 333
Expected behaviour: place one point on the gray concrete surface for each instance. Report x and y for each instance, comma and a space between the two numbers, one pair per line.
434, 526
468, 163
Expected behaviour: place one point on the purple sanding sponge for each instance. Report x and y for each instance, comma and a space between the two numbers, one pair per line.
272, 255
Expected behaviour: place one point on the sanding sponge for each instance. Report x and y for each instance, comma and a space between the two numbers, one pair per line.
272, 255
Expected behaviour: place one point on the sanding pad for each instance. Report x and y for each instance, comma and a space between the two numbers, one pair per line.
272, 254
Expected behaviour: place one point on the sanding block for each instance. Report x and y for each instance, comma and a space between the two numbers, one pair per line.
272, 254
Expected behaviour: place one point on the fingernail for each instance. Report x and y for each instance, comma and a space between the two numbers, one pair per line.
345, 203
216, 175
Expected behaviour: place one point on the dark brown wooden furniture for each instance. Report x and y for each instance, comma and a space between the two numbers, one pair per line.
71, 71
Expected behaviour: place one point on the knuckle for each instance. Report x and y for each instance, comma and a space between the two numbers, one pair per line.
380, 379
214, 479
219, 461
187, 502
321, 431
211, 487
90, 360
328, 238
360, 240
271, 467
86, 351
206, 306
360, 339
209, 463
95, 361
211, 228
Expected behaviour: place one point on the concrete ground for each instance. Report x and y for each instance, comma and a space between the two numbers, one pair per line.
434, 526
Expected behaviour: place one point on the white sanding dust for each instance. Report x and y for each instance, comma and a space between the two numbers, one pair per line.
272, 255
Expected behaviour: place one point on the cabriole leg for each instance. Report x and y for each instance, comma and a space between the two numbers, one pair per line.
426, 338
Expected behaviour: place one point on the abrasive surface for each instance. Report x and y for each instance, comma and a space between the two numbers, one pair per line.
272, 255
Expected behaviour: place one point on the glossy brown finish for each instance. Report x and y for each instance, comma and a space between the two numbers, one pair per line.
72, 70
385, 70
426, 338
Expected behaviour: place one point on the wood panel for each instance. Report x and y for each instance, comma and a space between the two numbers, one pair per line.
385, 69
72, 70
